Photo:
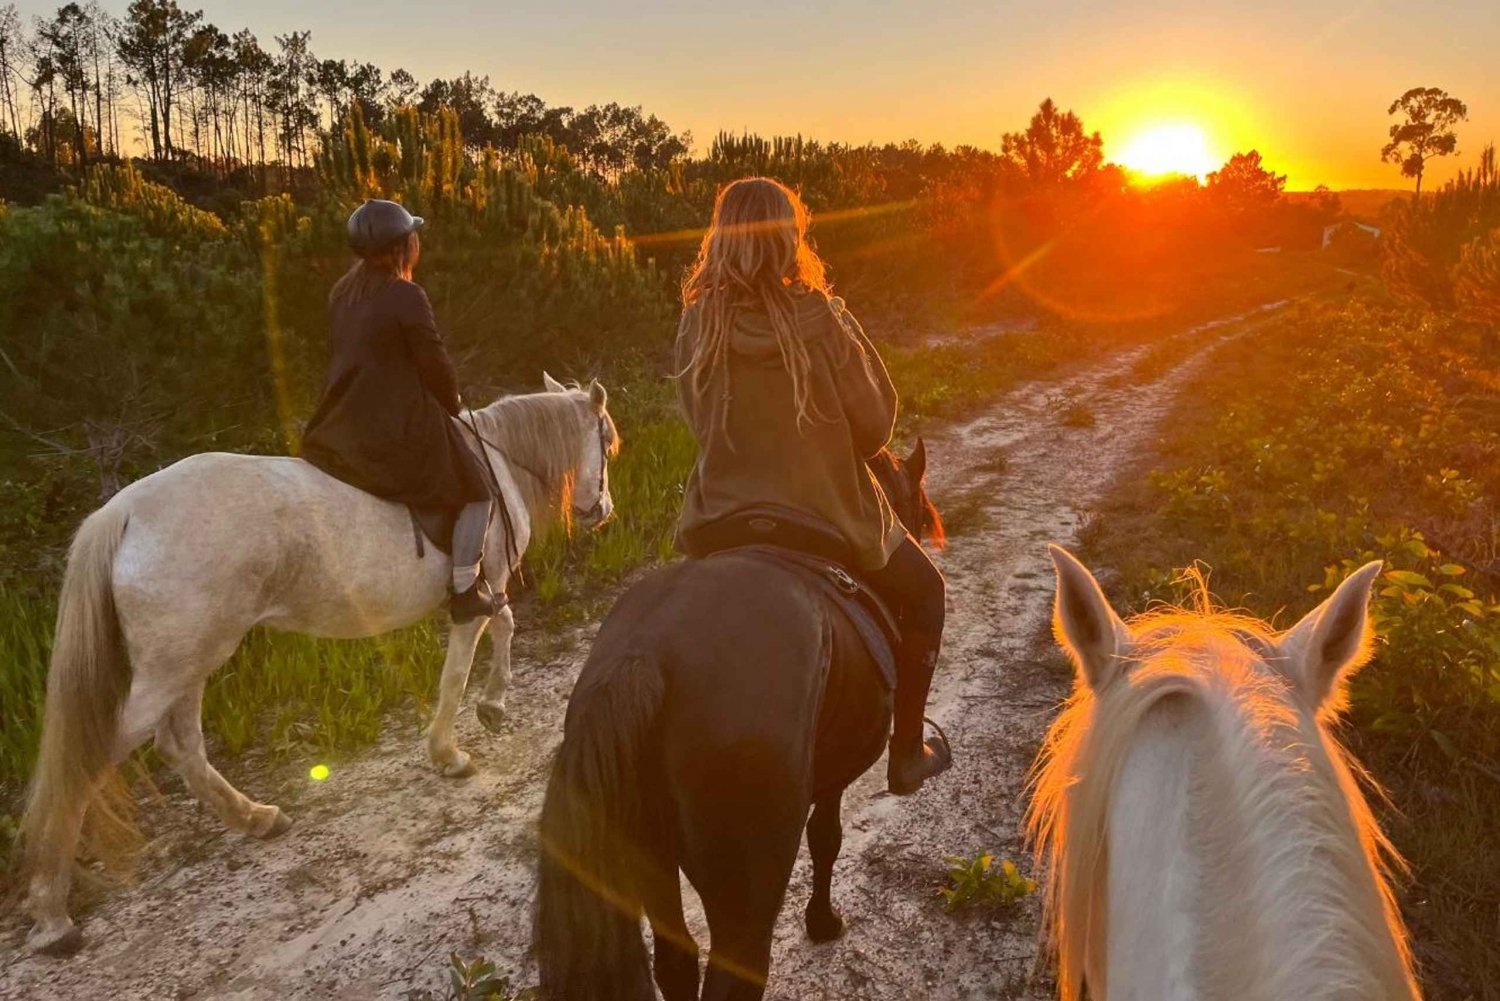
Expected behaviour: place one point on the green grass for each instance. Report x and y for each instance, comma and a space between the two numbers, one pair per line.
1335, 434
280, 694
25, 644
645, 481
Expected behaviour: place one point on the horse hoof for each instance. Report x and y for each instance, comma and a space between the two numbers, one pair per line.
461, 767
56, 940
824, 927
280, 824
491, 716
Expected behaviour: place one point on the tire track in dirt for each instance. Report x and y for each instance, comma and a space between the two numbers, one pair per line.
389, 867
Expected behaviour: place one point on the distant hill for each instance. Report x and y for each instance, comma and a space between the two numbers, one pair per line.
1361, 203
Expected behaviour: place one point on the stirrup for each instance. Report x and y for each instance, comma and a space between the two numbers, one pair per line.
478, 601
939, 761
942, 738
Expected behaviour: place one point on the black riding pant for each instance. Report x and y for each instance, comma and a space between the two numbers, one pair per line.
916, 593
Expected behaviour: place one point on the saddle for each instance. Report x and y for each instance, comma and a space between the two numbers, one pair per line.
434, 525
814, 551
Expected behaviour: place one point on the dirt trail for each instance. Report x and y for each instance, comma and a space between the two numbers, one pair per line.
389, 867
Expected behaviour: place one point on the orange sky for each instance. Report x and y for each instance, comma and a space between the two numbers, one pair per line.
1306, 82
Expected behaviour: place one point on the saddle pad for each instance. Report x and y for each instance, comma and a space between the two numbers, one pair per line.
862, 607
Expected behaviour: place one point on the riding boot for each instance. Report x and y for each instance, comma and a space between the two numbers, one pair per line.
468, 605
913, 759
471, 592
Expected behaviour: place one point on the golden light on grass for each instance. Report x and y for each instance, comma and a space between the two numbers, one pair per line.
1167, 149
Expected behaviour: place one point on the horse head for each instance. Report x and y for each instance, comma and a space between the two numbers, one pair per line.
1193, 784
905, 484
592, 504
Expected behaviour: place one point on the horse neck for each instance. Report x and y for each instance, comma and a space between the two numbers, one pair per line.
1236, 872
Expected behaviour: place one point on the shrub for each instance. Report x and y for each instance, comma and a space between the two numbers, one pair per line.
978, 883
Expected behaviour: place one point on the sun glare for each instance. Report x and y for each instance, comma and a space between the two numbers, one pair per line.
1163, 150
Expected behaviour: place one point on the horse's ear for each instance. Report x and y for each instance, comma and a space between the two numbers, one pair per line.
597, 396
1085, 625
552, 385
1332, 641
916, 463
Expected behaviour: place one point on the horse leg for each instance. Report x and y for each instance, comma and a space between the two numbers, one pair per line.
675, 953
51, 857
54, 933
491, 708
179, 738
740, 958
441, 749
825, 835
742, 898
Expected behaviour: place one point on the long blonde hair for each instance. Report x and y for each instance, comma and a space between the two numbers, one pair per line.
371, 273
755, 254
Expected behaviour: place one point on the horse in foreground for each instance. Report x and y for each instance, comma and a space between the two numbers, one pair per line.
723, 698
165, 580
1204, 834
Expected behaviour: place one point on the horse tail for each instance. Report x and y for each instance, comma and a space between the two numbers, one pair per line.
87, 682
595, 842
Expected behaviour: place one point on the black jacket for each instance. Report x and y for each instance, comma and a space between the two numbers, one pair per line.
385, 421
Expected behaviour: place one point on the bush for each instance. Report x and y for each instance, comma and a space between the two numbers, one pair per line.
1442, 251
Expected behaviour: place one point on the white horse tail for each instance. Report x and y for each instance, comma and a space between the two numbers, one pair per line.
87, 683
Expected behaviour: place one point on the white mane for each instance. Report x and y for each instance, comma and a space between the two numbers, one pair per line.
1197, 798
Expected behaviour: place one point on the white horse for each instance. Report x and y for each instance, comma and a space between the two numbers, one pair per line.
165, 580
1204, 835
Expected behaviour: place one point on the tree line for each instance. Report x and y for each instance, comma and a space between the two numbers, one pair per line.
85, 85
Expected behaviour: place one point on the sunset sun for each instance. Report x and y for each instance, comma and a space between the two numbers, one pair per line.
1162, 150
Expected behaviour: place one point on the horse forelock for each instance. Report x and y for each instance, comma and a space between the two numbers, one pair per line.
1293, 893
543, 436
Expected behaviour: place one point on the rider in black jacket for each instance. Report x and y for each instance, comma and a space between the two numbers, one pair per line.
385, 422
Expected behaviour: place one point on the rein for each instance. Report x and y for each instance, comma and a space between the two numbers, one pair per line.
512, 555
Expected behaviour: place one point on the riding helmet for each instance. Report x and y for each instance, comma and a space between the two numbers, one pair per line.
377, 224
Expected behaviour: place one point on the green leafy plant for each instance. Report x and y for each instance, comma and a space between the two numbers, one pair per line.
475, 980
979, 883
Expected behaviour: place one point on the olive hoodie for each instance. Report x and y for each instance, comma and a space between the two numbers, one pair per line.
758, 455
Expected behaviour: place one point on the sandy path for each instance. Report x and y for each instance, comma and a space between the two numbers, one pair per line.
389, 867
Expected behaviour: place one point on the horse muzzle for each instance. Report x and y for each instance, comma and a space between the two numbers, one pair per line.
594, 517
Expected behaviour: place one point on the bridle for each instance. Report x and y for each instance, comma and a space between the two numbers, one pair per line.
596, 512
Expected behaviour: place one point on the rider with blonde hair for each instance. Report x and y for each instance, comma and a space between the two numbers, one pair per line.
788, 398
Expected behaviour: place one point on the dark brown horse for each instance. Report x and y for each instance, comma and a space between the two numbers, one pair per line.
723, 700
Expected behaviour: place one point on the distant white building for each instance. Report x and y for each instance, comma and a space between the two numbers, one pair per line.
1330, 231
